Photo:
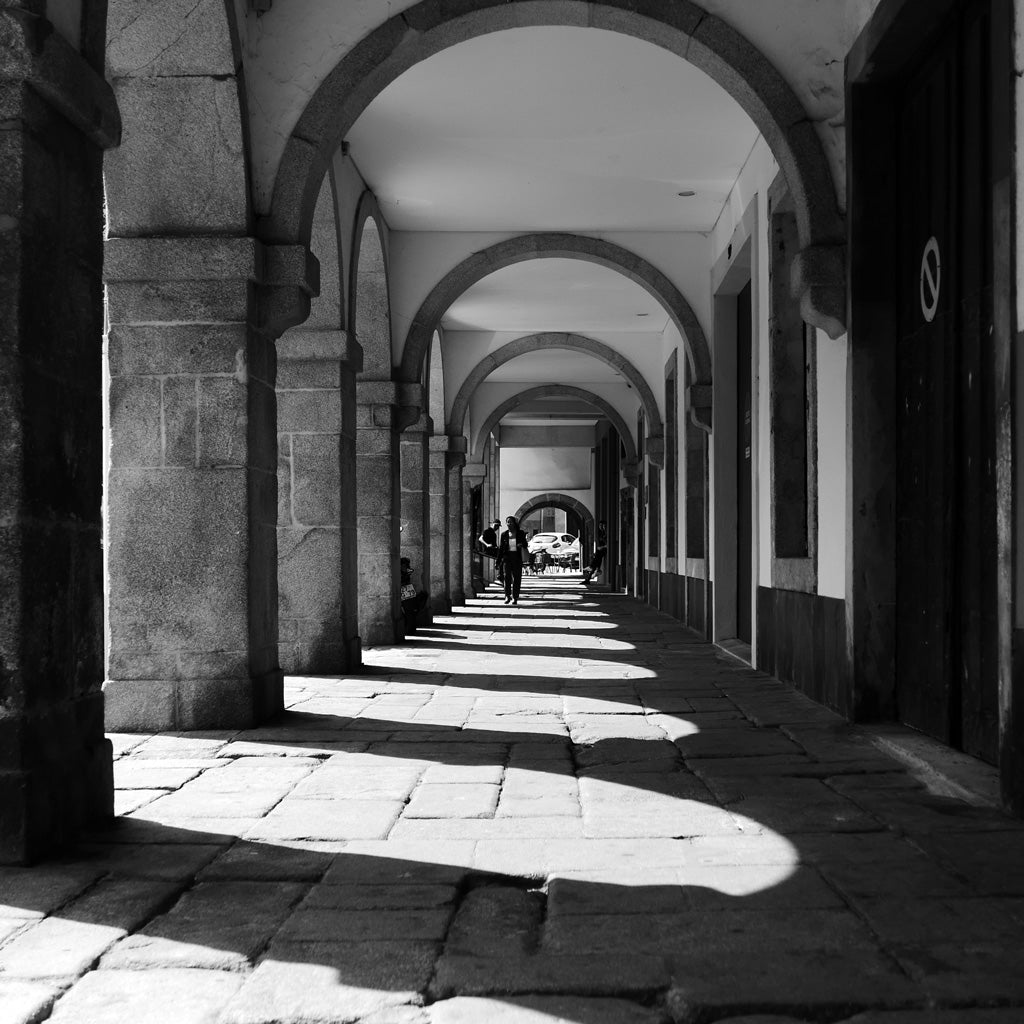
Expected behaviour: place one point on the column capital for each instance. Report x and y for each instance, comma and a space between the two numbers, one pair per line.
655, 448
474, 472
818, 280
699, 400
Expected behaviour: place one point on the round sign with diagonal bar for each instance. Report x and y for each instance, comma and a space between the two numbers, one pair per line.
931, 279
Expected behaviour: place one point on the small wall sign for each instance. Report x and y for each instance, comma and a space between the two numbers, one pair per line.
931, 279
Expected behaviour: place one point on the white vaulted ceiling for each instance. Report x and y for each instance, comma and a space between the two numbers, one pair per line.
556, 295
552, 129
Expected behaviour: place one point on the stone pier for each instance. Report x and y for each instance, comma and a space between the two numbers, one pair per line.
415, 539
316, 477
377, 510
437, 481
192, 487
59, 115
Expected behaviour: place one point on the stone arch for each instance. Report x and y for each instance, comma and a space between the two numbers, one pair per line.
553, 499
683, 28
567, 391
546, 340
369, 297
548, 245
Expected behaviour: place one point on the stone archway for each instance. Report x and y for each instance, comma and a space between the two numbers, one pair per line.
537, 342
566, 391
552, 499
683, 28
549, 245
369, 305
377, 491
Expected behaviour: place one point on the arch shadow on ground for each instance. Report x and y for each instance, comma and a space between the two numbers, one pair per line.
688, 844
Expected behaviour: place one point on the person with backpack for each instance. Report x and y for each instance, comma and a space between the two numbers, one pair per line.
489, 546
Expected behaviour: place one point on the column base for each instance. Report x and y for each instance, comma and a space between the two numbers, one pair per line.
166, 705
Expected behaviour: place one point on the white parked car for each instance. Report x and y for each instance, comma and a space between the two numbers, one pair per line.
558, 545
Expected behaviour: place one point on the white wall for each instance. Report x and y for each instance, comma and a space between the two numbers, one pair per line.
527, 472
832, 449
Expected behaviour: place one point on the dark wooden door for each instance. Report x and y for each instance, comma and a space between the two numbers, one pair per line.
744, 466
945, 493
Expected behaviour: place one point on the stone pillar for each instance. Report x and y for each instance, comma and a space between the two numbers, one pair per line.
316, 541
377, 511
437, 480
415, 539
59, 115
192, 487
472, 476
457, 573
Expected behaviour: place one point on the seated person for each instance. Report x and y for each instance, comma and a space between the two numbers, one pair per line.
413, 601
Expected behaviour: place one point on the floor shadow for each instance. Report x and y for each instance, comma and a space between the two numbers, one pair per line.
693, 845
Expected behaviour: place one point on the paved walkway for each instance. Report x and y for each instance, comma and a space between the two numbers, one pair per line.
570, 811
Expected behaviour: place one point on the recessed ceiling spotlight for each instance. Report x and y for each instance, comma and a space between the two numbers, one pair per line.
686, 193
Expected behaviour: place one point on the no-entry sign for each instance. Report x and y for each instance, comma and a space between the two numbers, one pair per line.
931, 279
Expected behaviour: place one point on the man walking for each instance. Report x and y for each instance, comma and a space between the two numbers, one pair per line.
511, 552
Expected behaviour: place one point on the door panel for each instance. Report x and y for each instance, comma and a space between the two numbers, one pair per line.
744, 465
945, 527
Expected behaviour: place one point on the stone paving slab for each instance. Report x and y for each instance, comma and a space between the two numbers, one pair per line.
319, 981
35, 892
215, 926
453, 800
170, 996
25, 1002
328, 819
55, 948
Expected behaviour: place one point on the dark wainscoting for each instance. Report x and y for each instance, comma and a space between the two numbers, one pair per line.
801, 639
683, 597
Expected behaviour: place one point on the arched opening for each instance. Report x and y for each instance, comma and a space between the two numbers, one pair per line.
543, 342
378, 507
685, 29
370, 306
604, 407
556, 247
579, 519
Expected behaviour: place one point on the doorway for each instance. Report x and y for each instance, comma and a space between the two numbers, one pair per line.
744, 466
946, 671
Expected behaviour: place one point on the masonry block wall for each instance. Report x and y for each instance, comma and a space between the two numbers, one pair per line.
415, 501
58, 115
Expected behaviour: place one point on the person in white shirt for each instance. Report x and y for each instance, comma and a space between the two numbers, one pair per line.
512, 551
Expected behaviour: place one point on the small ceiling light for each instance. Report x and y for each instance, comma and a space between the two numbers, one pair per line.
686, 193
